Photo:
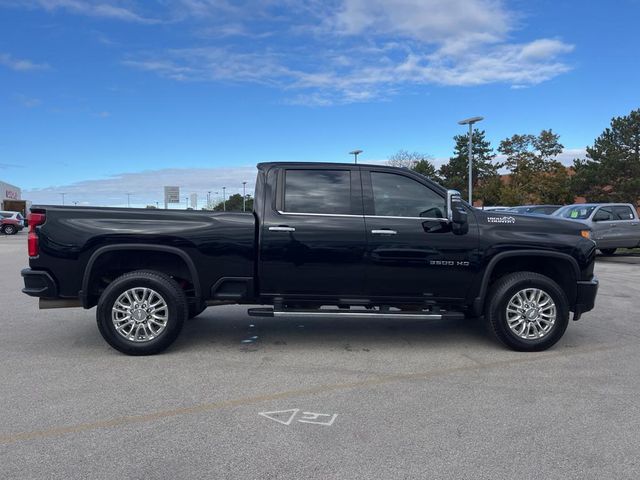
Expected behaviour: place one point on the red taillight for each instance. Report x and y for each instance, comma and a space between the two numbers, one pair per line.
34, 219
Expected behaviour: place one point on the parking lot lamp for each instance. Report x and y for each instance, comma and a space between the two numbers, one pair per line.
470, 122
244, 196
224, 199
63, 194
355, 154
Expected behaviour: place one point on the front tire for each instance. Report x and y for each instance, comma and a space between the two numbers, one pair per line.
141, 312
526, 311
608, 251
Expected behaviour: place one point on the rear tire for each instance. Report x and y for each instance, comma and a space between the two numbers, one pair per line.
526, 311
9, 230
141, 312
608, 251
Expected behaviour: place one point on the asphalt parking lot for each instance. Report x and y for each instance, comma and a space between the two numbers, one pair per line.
355, 399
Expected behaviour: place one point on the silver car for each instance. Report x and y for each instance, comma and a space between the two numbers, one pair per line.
613, 225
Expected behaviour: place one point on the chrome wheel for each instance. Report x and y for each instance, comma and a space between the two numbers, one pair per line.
140, 314
531, 313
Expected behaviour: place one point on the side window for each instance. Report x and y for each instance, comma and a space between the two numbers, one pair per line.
399, 196
604, 214
623, 212
317, 191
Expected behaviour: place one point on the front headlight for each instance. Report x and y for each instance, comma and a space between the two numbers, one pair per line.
585, 234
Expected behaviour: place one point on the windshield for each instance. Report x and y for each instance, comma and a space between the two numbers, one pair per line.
576, 212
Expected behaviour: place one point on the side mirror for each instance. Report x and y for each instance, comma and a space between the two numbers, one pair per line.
456, 213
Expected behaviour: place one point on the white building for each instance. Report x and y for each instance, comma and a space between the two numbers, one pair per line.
8, 193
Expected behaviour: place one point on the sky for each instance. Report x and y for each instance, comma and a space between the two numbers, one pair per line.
99, 99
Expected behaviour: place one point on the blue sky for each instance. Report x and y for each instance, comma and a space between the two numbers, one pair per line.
102, 98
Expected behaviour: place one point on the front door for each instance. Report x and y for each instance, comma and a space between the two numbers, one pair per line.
313, 238
411, 250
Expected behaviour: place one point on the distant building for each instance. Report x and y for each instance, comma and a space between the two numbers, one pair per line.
11, 199
9, 192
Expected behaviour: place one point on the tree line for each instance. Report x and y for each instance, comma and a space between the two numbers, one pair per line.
533, 175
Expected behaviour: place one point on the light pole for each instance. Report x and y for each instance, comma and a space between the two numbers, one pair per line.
63, 194
186, 202
244, 196
129, 200
355, 154
224, 199
209, 200
470, 122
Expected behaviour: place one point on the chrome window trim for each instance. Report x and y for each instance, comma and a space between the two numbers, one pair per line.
361, 216
411, 218
320, 214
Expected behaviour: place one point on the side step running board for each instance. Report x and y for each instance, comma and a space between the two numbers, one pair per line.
269, 312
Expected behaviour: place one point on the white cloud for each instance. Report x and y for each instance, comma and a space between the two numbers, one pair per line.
445, 22
28, 102
322, 53
146, 187
115, 10
19, 64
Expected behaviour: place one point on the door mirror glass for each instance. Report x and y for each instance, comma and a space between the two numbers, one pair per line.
456, 213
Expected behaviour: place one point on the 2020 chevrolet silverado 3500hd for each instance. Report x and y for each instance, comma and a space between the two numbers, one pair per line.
323, 240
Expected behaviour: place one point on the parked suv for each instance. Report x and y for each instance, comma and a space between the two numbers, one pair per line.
614, 225
11, 222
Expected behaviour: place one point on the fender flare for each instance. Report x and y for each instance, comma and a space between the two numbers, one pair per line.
478, 302
84, 293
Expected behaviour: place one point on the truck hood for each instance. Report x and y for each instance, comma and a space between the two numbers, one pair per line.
531, 223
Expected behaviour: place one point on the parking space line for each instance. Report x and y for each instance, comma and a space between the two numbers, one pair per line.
208, 407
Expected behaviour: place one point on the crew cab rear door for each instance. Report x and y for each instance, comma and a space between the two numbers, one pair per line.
312, 238
627, 227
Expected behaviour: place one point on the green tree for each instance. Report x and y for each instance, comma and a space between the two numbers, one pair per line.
486, 180
416, 161
234, 204
536, 175
611, 171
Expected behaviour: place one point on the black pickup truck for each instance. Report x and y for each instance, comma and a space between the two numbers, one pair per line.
323, 240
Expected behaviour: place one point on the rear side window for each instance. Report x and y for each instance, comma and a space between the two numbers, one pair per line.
399, 196
317, 191
623, 212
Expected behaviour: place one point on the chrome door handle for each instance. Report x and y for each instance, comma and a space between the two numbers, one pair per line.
384, 232
282, 229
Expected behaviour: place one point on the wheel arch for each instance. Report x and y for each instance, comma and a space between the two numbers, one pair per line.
149, 261
560, 267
